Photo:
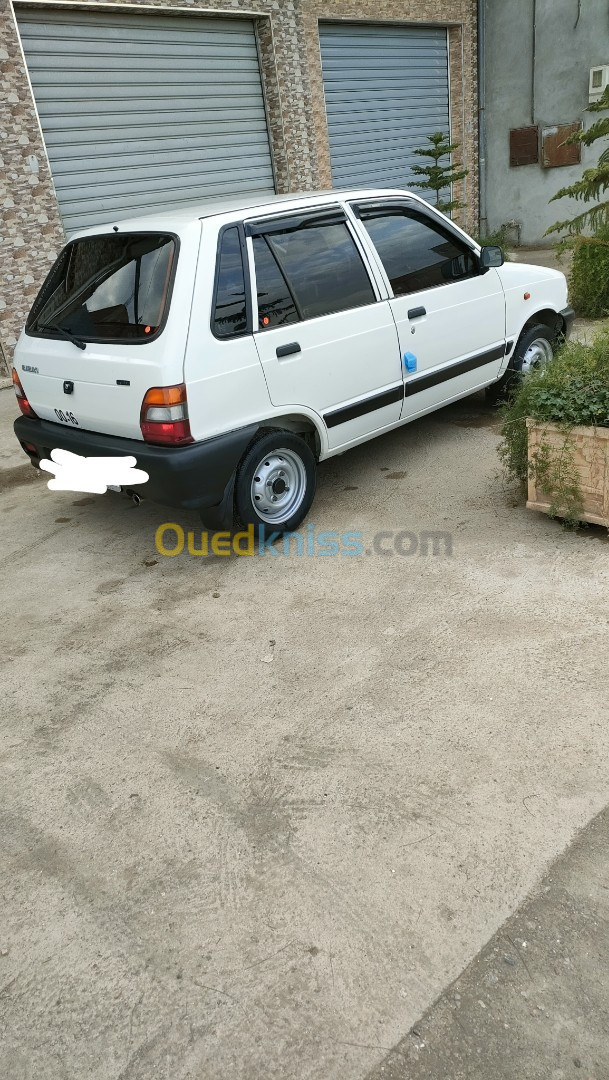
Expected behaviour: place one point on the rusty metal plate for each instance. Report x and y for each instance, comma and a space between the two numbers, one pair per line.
524, 146
555, 154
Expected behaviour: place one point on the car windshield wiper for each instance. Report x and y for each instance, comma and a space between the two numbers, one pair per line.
62, 333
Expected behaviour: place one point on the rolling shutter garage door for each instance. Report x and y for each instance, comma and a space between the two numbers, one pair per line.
386, 89
146, 111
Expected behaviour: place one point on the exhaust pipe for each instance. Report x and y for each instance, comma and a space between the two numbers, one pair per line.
133, 495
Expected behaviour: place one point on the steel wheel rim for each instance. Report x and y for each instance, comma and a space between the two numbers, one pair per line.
538, 353
279, 486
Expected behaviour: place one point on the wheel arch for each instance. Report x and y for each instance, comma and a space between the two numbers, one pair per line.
294, 466
220, 517
545, 317
297, 424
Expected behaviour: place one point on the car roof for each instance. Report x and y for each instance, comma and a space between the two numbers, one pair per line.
174, 219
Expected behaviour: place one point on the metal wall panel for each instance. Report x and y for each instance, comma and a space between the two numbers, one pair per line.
386, 89
145, 111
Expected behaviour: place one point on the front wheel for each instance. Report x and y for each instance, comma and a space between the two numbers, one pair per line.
535, 347
275, 482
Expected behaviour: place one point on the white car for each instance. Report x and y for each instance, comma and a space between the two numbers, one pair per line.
231, 346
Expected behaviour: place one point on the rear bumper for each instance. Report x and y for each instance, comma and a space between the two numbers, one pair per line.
568, 316
188, 477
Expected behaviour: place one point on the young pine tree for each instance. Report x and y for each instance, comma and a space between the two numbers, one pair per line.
593, 184
439, 177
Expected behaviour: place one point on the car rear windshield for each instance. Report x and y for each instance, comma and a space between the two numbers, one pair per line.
112, 287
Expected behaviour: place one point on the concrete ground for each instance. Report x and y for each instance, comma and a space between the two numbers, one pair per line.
534, 1003
545, 256
257, 814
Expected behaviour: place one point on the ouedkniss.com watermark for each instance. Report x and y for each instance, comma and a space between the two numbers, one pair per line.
172, 540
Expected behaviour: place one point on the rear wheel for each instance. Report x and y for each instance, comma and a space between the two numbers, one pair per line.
275, 482
535, 347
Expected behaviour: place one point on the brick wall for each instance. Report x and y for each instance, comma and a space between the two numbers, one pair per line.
30, 226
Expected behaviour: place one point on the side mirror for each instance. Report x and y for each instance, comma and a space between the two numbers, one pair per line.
491, 257
457, 268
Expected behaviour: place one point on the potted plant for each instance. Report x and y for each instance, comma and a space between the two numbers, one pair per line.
555, 434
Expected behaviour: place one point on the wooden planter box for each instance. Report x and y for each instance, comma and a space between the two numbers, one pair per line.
590, 447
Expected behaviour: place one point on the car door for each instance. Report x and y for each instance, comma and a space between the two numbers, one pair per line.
326, 337
449, 312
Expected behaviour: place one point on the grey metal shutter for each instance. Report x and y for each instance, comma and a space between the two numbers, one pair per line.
386, 89
144, 111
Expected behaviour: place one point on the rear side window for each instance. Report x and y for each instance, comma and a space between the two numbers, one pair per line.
321, 267
276, 305
113, 288
230, 309
416, 252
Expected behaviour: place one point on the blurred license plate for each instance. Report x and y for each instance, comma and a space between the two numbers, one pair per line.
66, 417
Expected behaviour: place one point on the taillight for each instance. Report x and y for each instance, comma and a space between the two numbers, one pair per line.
164, 416
22, 401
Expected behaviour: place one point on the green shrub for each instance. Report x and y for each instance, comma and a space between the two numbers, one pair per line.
589, 284
499, 238
571, 390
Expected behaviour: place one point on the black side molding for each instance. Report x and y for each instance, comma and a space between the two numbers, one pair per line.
351, 412
424, 382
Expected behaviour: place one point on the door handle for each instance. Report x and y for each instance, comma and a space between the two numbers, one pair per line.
288, 350
417, 312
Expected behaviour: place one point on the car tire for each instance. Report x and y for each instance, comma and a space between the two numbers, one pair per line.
275, 483
535, 346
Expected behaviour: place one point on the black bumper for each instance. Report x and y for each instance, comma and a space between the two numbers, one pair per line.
189, 477
568, 315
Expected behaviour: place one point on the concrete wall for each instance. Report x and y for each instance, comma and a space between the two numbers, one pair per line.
30, 226
557, 94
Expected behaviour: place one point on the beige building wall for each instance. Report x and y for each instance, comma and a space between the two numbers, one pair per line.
30, 226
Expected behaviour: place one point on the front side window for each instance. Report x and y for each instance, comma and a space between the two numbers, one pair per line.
230, 308
113, 287
321, 268
416, 252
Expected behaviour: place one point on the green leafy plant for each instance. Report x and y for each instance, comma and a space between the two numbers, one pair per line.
499, 238
590, 273
556, 477
589, 279
593, 184
439, 177
572, 390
